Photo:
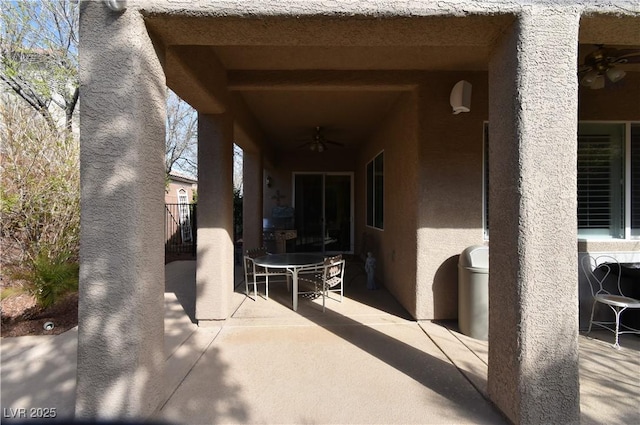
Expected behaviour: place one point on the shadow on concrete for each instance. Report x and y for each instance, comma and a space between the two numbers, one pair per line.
378, 348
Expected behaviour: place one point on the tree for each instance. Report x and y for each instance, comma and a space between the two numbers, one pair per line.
39, 56
39, 154
182, 142
182, 136
39, 151
237, 169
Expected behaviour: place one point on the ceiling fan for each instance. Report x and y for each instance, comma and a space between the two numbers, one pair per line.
319, 143
605, 62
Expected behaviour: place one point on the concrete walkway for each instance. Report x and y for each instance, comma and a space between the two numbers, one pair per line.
362, 361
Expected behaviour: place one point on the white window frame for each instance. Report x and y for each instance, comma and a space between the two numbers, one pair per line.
184, 214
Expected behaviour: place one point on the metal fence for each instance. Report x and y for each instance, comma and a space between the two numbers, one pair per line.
180, 229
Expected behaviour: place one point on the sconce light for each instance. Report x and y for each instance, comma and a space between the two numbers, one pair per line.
460, 97
269, 181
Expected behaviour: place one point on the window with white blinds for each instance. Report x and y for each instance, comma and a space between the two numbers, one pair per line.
595, 170
601, 178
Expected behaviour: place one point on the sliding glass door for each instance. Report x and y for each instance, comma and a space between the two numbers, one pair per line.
324, 210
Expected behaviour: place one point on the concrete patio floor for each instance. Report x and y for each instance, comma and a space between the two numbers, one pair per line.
362, 361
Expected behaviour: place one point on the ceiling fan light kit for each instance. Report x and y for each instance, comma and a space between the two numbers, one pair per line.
319, 143
615, 74
316, 146
604, 62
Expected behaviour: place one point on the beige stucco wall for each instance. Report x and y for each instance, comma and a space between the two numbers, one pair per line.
433, 193
450, 201
449, 213
394, 247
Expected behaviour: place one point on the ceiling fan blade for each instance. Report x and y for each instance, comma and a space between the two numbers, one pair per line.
627, 59
622, 52
331, 142
583, 69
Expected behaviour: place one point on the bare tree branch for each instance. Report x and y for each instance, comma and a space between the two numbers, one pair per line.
38, 56
181, 150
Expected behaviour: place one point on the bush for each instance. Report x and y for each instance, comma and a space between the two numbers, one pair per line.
39, 203
53, 279
48, 280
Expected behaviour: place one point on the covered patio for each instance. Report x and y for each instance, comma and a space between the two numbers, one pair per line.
417, 180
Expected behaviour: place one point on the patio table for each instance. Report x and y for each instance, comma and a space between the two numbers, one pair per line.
631, 270
293, 263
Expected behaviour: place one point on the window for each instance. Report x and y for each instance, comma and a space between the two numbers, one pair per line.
375, 192
185, 215
609, 180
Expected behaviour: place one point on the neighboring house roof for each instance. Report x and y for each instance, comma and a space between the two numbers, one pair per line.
183, 178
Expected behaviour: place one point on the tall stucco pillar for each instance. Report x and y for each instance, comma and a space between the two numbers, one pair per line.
533, 320
252, 182
214, 270
121, 305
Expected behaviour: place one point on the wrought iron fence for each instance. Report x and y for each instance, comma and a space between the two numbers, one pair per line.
180, 229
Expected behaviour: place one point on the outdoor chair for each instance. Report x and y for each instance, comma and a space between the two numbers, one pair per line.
254, 272
600, 273
325, 279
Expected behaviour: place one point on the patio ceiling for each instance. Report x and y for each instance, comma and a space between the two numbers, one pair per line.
290, 75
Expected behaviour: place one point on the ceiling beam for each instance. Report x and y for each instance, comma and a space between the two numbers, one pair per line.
324, 80
199, 79
247, 132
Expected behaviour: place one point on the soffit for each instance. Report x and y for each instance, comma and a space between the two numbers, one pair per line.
287, 105
295, 73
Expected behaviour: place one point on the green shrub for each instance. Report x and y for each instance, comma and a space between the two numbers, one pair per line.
10, 292
48, 280
39, 205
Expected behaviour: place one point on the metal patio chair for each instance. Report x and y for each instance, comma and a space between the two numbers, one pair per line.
597, 270
254, 272
326, 278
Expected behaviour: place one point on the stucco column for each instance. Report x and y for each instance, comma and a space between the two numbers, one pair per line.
214, 271
121, 305
533, 321
252, 184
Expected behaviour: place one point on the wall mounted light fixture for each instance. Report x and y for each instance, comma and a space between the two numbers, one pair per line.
269, 181
460, 97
